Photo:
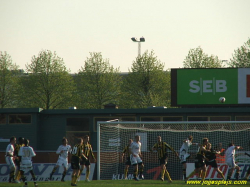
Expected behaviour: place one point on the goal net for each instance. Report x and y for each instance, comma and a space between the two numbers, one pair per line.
112, 137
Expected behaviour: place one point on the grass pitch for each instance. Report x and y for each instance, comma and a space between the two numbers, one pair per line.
113, 183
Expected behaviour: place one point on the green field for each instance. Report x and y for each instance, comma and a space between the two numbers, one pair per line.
112, 183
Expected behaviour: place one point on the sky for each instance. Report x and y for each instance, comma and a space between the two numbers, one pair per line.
74, 28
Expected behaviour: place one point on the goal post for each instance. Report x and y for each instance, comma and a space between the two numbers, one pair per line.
113, 136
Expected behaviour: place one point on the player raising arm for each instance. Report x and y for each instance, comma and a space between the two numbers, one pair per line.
184, 155
230, 160
161, 148
210, 159
62, 151
126, 152
199, 160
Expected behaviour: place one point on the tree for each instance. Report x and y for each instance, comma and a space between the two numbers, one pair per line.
147, 84
98, 83
48, 84
198, 59
241, 56
9, 75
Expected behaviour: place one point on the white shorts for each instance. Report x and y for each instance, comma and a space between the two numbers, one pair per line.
62, 162
183, 157
26, 167
135, 159
9, 160
231, 163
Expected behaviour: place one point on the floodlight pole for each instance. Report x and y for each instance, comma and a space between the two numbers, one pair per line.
142, 39
139, 49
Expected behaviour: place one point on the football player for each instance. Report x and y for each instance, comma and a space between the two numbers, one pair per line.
9, 158
87, 151
184, 155
135, 157
230, 160
18, 158
63, 151
210, 159
248, 171
199, 160
127, 162
76, 153
161, 148
26, 153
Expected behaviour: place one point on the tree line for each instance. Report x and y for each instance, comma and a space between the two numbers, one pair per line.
48, 84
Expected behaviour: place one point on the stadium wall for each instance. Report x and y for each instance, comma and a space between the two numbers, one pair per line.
27, 128
46, 128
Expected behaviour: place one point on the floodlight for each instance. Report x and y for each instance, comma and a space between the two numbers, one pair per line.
142, 39
134, 39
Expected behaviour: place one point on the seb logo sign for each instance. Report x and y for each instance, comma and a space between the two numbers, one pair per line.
206, 86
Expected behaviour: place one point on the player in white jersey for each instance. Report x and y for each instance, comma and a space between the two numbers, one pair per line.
26, 153
135, 157
230, 160
184, 155
9, 158
63, 151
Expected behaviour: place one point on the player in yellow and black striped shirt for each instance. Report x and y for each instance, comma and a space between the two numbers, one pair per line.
199, 160
85, 161
126, 153
210, 159
76, 153
161, 148
18, 158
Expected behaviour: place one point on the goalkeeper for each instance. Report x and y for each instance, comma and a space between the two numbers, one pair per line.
161, 148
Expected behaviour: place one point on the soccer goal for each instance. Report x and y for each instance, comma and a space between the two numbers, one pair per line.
112, 137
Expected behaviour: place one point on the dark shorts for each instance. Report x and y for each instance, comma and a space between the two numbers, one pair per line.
140, 163
18, 161
248, 171
128, 162
212, 163
75, 162
85, 162
199, 162
163, 160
